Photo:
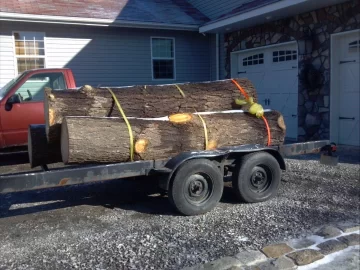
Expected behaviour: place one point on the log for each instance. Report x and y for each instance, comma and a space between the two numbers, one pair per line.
106, 140
141, 101
40, 151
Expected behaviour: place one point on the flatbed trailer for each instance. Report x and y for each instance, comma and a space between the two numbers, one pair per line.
193, 180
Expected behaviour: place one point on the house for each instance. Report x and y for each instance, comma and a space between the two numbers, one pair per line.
302, 55
106, 42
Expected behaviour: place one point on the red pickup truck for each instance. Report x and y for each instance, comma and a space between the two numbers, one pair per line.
21, 102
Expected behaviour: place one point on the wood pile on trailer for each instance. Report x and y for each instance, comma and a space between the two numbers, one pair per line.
102, 125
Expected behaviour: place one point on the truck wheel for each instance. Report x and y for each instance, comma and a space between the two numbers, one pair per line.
196, 187
257, 177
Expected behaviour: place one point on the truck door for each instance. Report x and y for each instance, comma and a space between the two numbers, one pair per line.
28, 107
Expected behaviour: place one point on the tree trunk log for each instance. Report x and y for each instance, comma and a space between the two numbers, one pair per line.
40, 151
106, 140
141, 101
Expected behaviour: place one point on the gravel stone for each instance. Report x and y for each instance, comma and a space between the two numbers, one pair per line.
348, 227
277, 250
328, 232
250, 257
127, 225
306, 256
331, 246
220, 264
351, 239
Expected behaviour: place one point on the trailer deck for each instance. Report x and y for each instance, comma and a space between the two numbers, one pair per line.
74, 175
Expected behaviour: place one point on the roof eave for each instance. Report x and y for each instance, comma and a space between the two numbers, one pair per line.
259, 15
5, 16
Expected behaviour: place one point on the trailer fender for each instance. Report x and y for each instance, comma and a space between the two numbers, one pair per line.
218, 156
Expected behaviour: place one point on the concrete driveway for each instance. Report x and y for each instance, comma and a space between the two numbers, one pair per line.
122, 225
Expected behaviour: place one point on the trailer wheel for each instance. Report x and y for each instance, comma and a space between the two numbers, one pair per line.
257, 177
196, 187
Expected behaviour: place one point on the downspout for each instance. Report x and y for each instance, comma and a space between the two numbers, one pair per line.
217, 57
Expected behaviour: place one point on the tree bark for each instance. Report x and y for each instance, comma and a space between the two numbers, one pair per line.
40, 151
141, 101
106, 140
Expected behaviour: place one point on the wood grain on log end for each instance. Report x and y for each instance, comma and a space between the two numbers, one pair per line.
51, 116
281, 122
86, 87
180, 118
39, 149
212, 145
141, 146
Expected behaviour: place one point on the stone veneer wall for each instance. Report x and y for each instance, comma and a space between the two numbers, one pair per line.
314, 105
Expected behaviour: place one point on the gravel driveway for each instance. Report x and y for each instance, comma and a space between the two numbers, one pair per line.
119, 225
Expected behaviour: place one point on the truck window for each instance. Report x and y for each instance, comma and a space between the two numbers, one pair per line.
59, 82
33, 89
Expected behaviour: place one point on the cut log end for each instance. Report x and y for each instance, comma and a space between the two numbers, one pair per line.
180, 118
51, 116
281, 122
141, 146
64, 142
212, 145
40, 151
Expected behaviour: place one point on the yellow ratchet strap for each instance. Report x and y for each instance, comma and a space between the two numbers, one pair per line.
181, 91
127, 123
205, 132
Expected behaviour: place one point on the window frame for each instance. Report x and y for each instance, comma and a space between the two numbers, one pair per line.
258, 59
294, 53
162, 58
25, 56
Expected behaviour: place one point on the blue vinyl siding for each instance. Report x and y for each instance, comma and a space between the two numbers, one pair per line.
110, 56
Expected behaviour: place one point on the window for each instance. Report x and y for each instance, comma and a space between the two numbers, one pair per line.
256, 59
163, 58
282, 56
29, 50
33, 88
354, 46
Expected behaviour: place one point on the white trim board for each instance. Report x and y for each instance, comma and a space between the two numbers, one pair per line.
334, 89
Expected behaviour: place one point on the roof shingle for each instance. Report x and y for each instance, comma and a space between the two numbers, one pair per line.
152, 11
248, 6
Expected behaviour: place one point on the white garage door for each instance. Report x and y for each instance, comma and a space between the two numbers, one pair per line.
274, 72
349, 98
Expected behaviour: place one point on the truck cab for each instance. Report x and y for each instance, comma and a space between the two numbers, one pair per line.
22, 102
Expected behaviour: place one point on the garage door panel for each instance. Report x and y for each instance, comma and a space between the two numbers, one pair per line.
275, 80
283, 81
284, 103
351, 136
349, 90
291, 128
257, 79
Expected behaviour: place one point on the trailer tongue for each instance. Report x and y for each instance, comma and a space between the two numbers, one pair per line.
199, 191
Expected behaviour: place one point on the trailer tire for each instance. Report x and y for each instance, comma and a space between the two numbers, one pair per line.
257, 177
196, 187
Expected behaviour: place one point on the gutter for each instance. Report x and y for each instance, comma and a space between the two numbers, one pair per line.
19, 17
